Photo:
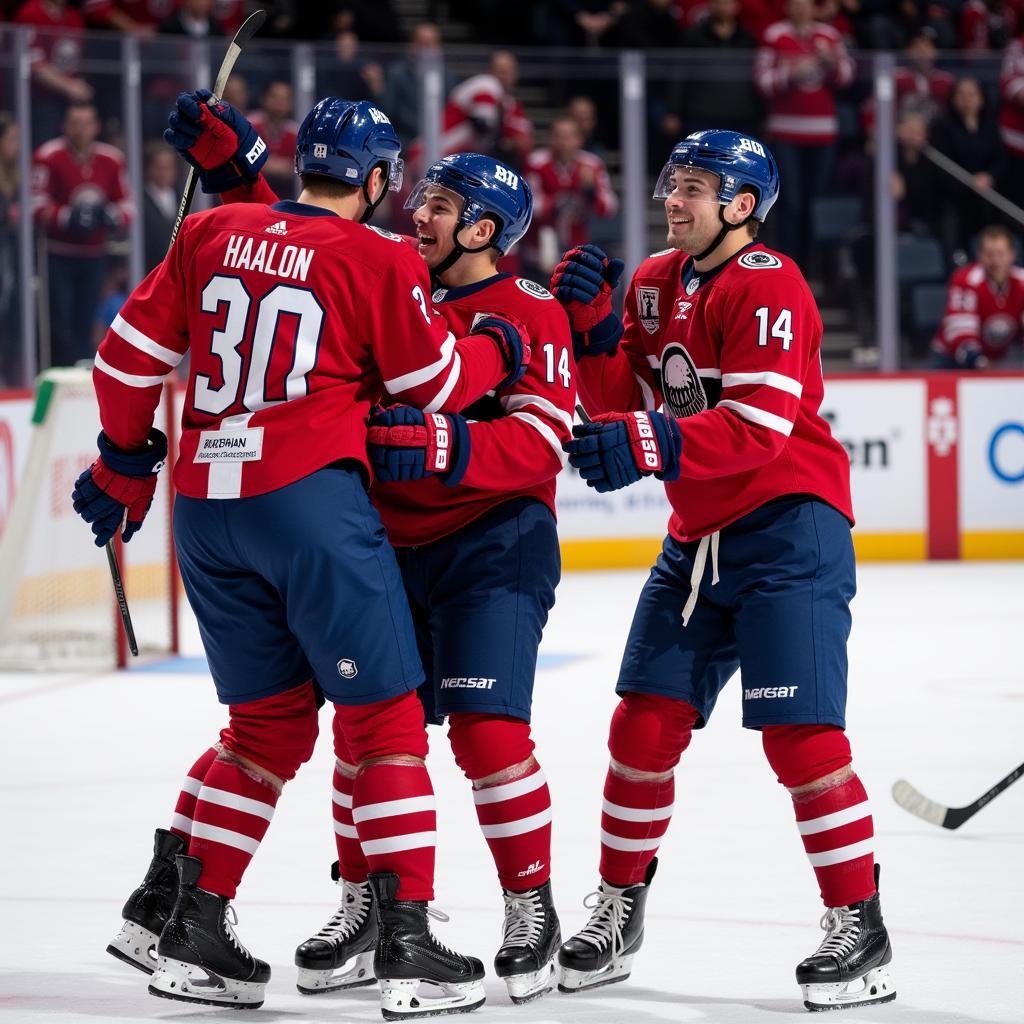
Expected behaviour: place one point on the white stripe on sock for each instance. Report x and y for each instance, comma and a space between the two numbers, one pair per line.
395, 844
192, 786
834, 820
200, 830
630, 845
392, 808
842, 854
181, 823
637, 813
510, 790
348, 831
341, 799
225, 798
517, 828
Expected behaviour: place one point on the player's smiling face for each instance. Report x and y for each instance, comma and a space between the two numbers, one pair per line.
436, 222
691, 209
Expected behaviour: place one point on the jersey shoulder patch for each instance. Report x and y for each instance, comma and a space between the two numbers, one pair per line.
538, 291
390, 235
759, 260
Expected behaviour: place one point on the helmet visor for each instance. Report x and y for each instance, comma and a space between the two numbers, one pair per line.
396, 173
422, 190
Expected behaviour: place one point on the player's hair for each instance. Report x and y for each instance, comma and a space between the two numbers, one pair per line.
329, 188
996, 231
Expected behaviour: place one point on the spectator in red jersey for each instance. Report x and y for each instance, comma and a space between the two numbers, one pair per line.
193, 18
80, 194
273, 122
799, 68
988, 24
918, 77
56, 55
133, 17
984, 309
968, 134
570, 188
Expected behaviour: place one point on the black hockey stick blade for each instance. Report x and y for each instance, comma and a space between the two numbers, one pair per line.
122, 601
248, 29
913, 800
582, 413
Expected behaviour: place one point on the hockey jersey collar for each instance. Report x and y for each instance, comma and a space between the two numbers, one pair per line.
301, 209
692, 280
448, 294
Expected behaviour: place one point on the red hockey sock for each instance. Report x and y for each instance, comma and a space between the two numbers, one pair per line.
232, 814
837, 830
515, 818
351, 862
393, 811
185, 808
634, 819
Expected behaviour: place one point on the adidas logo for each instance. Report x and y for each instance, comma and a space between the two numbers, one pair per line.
280, 228
531, 870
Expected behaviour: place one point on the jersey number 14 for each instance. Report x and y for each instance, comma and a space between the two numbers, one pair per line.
781, 329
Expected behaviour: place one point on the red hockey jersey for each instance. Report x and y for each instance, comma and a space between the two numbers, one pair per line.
1011, 110
297, 322
735, 356
979, 312
516, 434
561, 199
799, 85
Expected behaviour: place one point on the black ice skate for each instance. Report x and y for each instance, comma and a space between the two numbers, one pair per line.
529, 944
603, 951
147, 909
850, 966
340, 955
408, 955
199, 956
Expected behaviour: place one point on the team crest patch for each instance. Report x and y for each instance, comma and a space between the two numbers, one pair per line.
390, 235
759, 261
319, 150
683, 391
347, 668
692, 285
538, 291
439, 295
647, 302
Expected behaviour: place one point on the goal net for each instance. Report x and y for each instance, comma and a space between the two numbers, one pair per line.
57, 605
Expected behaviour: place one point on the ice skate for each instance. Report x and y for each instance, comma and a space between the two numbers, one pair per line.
602, 953
419, 977
199, 957
530, 943
340, 955
850, 968
146, 911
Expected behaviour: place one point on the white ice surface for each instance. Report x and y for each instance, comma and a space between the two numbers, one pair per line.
90, 764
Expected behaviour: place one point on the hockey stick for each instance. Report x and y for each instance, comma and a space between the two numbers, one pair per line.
911, 799
248, 29
582, 413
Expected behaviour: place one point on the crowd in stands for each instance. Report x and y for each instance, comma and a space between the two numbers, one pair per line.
791, 76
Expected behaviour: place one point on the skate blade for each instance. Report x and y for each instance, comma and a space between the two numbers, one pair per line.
174, 979
354, 973
136, 946
401, 998
875, 987
524, 988
580, 981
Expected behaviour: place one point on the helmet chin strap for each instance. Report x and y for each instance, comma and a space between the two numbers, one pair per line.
722, 234
458, 249
371, 206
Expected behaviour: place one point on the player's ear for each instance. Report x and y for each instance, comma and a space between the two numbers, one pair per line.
741, 207
483, 232
377, 182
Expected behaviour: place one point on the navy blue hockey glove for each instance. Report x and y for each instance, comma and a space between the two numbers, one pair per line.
618, 448
118, 487
512, 338
583, 283
217, 140
407, 444
81, 218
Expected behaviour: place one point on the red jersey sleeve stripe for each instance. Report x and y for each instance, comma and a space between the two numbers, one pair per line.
421, 376
442, 396
512, 403
131, 379
758, 416
544, 430
143, 342
767, 377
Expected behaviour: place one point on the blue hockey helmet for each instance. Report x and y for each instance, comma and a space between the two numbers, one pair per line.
346, 139
487, 186
737, 159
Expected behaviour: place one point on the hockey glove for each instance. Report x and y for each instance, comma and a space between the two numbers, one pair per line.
970, 356
407, 444
119, 483
616, 449
583, 283
512, 338
217, 140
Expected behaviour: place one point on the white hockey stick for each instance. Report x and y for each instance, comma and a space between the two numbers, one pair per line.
913, 800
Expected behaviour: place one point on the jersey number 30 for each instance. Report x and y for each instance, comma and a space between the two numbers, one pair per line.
227, 344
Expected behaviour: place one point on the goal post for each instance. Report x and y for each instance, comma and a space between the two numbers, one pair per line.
57, 605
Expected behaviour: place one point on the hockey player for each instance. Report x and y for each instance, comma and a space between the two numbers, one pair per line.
468, 500
713, 384
297, 319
